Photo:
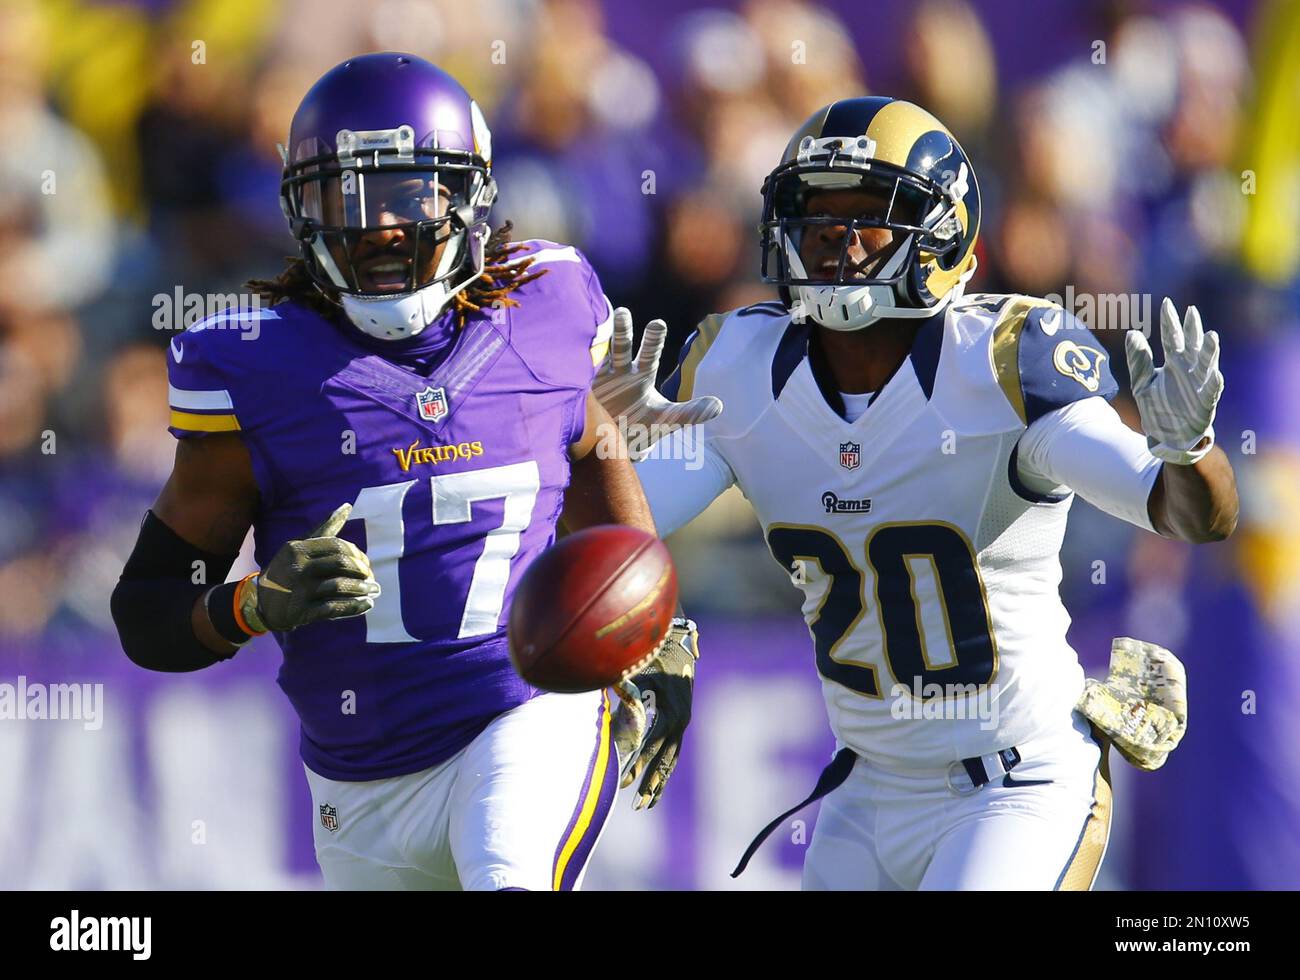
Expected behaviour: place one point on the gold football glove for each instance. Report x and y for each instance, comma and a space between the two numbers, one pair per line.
667, 685
1142, 704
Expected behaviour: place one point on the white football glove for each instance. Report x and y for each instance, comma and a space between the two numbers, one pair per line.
1177, 401
1142, 704
625, 387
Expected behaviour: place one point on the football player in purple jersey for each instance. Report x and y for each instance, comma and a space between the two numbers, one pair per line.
398, 425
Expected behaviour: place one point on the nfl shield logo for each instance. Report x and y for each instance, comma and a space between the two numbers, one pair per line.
329, 817
432, 403
850, 455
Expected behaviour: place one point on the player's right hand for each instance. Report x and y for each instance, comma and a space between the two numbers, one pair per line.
670, 678
625, 388
321, 576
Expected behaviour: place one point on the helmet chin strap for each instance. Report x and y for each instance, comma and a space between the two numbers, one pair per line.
407, 314
849, 308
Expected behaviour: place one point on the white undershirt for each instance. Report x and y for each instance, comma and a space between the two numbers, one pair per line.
855, 405
1086, 447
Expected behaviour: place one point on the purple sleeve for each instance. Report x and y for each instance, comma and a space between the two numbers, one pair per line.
198, 394
213, 386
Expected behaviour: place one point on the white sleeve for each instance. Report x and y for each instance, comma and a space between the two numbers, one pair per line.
682, 475
1086, 447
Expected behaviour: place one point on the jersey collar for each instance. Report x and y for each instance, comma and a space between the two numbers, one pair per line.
799, 342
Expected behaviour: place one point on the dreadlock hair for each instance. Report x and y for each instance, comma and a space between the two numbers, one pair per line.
492, 288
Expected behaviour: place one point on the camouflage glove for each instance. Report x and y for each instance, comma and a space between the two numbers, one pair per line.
666, 684
319, 577
1142, 705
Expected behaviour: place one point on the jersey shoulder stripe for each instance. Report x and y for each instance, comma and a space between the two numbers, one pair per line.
754, 326
730, 356
540, 250
604, 332
1004, 349
791, 349
681, 385
1036, 355
181, 423
202, 364
927, 347
1046, 358
203, 401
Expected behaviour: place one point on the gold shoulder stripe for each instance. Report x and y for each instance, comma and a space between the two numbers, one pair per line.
708, 333
204, 423
1004, 352
598, 352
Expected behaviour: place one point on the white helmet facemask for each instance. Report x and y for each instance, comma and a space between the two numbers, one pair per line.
847, 308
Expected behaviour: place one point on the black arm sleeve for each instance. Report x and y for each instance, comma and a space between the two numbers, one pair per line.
155, 597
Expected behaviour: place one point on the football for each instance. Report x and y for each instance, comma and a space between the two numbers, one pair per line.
592, 609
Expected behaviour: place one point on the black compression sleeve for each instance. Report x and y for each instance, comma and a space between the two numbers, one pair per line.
155, 597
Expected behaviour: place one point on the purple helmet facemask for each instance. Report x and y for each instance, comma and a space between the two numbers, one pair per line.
387, 187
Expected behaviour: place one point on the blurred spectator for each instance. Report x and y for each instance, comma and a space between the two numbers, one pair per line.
56, 236
810, 57
27, 523
572, 157
951, 69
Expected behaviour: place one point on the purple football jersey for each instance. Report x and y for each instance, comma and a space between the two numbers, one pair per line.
452, 449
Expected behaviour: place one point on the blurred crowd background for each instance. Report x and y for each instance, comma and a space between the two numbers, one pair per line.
1124, 148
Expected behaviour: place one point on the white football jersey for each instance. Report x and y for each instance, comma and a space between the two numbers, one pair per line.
929, 572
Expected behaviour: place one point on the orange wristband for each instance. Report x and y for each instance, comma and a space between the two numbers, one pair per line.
239, 616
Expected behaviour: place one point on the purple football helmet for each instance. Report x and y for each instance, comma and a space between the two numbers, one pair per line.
387, 187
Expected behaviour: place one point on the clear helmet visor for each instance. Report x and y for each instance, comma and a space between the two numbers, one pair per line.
846, 226
377, 198
387, 231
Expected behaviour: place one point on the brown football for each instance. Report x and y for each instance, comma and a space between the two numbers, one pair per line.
592, 609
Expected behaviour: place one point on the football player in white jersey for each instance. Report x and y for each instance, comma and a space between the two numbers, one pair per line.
912, 453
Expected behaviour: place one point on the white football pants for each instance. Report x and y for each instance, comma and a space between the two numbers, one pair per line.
1045, 827
521, 806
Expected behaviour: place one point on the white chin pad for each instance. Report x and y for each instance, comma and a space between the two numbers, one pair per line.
845, 307
396, 317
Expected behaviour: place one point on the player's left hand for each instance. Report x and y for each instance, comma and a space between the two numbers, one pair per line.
669, 679
625, 388
1142, 704
1177, 401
